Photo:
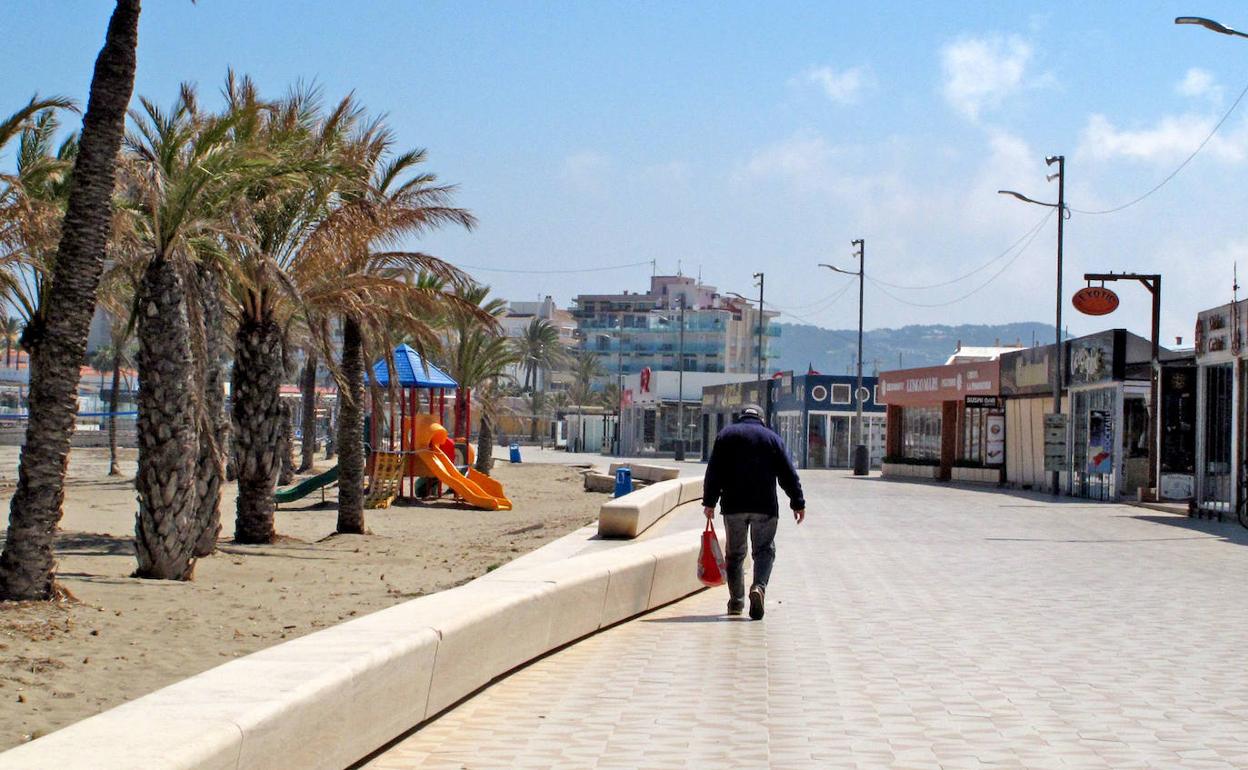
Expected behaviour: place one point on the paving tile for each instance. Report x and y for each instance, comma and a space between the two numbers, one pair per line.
908, 626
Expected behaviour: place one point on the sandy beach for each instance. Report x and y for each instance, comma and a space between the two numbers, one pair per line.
125, 637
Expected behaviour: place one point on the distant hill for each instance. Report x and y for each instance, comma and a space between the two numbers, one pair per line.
832, 351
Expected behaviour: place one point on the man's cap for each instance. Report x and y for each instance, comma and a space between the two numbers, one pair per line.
752, 410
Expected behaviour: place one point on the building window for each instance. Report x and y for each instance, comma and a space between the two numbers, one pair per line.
920, 432
841, 393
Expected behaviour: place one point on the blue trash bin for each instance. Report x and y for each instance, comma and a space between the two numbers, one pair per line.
514, 449
623, 481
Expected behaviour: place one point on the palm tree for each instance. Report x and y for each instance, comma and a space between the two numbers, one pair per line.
185, 169
59, 337
32, 205
539, 406
540, 351
11, 329
307, 390
346, 274
273, 224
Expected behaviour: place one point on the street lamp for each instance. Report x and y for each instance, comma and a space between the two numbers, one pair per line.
1209, 24
761, 320
619, 384
680, 385
862, 460
1062, 213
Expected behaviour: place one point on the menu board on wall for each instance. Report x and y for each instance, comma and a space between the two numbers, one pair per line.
1054, 442
994, 446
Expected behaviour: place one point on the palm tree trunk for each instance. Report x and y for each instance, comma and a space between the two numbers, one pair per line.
331, 436
287, 473
351, 432
307, 386
485, 446
257, 419
59, 335
214, 424
165, 529
114, 402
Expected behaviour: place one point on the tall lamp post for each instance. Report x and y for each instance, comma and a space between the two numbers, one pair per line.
1209, 24
862, 459
680, 384
1062, 213
619, 384
761, 321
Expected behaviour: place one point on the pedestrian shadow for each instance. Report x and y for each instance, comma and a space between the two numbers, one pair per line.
699, 619
1227, 531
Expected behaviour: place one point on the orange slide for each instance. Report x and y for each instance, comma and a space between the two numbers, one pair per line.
430, 460
477, 489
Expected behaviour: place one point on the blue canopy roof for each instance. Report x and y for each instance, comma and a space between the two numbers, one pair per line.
412, 371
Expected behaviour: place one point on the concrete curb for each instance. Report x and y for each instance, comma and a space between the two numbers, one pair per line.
630, 515
331, 698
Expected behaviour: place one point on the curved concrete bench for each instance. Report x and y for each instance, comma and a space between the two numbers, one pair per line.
632, 514
328, 699
651, 473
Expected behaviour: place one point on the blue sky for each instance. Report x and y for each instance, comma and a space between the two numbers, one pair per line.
732, 137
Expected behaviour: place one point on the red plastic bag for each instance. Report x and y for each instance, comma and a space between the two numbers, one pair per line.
711, 559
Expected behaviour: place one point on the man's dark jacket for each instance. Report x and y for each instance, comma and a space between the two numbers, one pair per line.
746, 462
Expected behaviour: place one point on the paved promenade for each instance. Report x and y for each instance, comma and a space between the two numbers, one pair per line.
908, 626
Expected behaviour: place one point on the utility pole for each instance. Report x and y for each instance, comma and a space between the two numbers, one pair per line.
680, 386
862, 459
1060, 176
762, 319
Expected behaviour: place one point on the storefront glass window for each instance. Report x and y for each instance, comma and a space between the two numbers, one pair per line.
1216, 472
1093, 444
920, 434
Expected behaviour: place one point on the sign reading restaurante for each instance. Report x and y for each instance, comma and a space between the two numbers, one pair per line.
951, 382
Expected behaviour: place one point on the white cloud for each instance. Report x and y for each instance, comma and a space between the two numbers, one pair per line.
981, 72
843, 87
1173, 138
587, 171
801, 158
1199, 83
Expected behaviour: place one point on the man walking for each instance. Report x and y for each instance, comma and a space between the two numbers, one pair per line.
746, 462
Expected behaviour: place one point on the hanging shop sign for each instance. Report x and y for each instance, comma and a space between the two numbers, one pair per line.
1095, 300
983, 402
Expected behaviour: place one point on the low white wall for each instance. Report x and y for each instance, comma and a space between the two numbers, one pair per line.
976, 475
905, 470
330, 698
630, 515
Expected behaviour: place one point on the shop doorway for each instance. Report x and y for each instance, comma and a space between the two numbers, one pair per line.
1216, 478
1095, 444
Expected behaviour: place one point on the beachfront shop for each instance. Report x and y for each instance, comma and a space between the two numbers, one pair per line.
817, 415
1027, 393
1220, 389
1108, 377
944, 422
722, 404
655, 406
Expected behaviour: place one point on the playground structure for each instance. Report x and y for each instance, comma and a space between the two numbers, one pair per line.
410, 450
419, 453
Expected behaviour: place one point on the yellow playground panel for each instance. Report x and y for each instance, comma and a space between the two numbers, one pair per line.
383, 487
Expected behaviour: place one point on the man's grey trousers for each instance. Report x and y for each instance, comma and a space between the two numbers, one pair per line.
761, 531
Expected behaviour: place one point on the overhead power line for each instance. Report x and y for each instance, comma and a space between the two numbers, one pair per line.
552, 272
1029, 234
1035, 232
1176, 171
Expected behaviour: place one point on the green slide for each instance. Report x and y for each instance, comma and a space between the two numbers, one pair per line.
307, 487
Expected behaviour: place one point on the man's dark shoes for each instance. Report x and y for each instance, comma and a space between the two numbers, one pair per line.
756, 603
735, 606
